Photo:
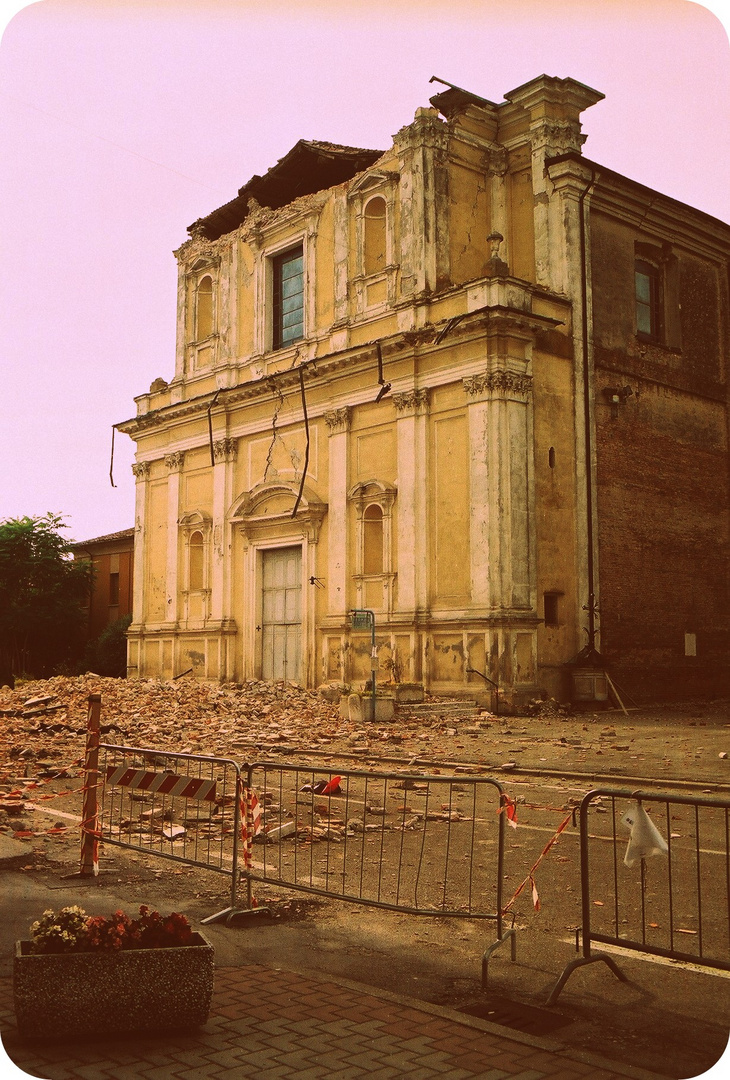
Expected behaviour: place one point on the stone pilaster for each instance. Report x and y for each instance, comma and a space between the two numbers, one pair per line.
338, 425
501, 489
424, 203
141, 472
174, 463
340, 228
496, 168
225, 452
411, 409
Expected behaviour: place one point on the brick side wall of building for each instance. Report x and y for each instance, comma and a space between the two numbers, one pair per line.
663, 491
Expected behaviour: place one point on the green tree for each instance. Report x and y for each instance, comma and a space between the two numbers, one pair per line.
107, 655
43, 597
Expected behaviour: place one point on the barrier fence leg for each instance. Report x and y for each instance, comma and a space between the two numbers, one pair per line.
512, 935
581, 961
243, 825
90, 814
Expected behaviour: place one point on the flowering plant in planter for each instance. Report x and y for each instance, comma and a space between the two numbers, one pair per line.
72, 930
81, 975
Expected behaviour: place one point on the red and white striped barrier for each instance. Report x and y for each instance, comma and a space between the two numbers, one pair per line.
250, 823
165, 783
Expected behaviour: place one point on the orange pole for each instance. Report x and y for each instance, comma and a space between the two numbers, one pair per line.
90, 813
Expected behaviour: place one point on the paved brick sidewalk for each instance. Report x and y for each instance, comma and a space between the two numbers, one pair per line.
271, 1024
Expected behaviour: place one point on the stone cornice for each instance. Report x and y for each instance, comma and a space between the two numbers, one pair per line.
643, 208
427, 129
494, 318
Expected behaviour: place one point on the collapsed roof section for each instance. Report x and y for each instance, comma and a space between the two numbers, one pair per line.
309, 166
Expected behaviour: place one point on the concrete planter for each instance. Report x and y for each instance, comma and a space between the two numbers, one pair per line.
107, 992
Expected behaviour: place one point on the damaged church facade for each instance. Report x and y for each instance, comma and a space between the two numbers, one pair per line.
474, 384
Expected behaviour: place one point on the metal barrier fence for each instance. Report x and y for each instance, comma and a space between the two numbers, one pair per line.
182, 807
415, 843
675, 904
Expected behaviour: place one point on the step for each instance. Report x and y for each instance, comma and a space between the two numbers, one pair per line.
458, 707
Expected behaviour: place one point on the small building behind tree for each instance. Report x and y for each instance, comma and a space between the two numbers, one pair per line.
112, 560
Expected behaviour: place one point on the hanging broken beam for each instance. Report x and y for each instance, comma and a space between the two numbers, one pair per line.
384, 386
306, 449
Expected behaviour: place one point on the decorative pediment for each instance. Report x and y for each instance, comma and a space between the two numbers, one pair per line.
373, 491
195, 520
370, 181
208, 262
265, 512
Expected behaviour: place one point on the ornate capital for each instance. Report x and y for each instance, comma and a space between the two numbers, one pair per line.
175, 461
501, 384
338, 420
496, 161
412, 401
557, 136
141, 470
225, 449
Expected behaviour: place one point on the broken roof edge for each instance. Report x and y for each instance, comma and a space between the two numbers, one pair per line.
456, 99
603, 172
310, 166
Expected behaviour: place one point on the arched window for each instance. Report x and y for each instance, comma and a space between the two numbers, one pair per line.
373, 540
204, 309
196, 574
375, 230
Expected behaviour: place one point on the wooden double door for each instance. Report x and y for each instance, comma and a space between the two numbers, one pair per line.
281, 622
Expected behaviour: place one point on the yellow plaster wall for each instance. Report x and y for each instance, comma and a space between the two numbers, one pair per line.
469, 222
156, 565
280, 455
324, 273
246, 314
197, 490
374, 455
522, 232
450, 509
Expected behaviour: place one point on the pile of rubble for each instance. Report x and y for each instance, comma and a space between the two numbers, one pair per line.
43, 724
49, 717
546, 707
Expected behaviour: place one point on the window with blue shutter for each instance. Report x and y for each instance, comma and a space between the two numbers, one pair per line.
288, 298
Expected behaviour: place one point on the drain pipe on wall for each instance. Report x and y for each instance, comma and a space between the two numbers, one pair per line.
588, 432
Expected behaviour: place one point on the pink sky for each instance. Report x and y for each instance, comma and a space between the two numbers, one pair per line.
122, 122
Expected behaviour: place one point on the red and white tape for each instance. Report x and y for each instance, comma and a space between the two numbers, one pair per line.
250, 823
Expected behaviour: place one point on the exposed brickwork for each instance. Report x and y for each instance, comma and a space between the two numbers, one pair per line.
663, 551
663, 497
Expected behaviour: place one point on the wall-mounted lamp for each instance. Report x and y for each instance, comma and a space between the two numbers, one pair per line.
616, 395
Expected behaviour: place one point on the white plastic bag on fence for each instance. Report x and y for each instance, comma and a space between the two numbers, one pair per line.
645, 838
